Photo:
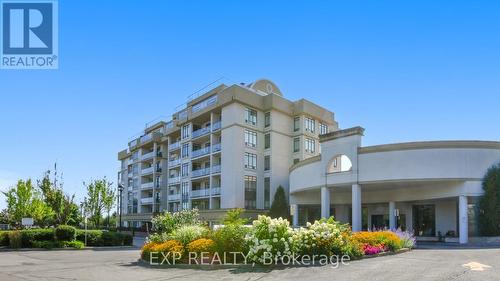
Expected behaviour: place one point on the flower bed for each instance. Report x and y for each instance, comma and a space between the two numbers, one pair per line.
266, 240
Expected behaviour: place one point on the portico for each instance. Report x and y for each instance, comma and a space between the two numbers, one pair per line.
429, 188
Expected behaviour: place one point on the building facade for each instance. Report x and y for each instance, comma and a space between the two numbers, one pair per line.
430, 188
228, 148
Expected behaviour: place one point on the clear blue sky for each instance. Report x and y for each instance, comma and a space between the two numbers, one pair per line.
426, 70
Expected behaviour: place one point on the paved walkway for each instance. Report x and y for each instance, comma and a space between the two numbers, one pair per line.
122, 265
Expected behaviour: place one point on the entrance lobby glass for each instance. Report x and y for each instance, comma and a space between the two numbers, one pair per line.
424, 220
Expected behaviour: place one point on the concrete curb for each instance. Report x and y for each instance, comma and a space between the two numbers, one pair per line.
66, 249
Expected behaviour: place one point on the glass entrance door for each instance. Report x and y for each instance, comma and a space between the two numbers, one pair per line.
424, 220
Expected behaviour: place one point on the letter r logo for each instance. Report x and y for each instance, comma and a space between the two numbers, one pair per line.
27, 28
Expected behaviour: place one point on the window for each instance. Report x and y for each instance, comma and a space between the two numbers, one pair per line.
310, 145
250, 192
250, 138
323, 129
250, 116
250, 160
185, 150
309, 124
267, 163
185, 195
267, 119
296, 124
267, 141
185, 170
296, 160
296, 144
267, 193
185, 131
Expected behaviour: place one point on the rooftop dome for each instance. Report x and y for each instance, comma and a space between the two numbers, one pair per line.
266, 86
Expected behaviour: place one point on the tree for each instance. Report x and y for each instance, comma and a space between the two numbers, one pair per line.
280, 207
233, 217
489, 204
109, 196
23, 201
97, 199
65, 210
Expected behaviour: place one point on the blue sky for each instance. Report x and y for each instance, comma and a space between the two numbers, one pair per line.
406, 71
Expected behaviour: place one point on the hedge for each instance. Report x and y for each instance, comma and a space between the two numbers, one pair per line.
46, 238
65, 233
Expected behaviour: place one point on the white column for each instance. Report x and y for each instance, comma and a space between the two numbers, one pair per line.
356, 207
296, 215
325, 202
392, 217
463, 220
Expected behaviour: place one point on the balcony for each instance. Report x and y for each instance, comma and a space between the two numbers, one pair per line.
200, 193
175, 145
216, 169
174, 197
216, 126
147, 171
147, 200
216, 190
200, 152
148, 155
147, 185
200, 132
200, 172
174, 162
174, 180
216, 147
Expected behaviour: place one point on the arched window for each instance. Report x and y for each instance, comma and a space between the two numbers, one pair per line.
340, 163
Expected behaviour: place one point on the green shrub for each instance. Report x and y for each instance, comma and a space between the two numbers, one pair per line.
30, 235
104, 238
168, 222
73, 244
15, 239
45, 244
128, 240
94, 237
4, 238
188, 233
65, 233
230, 238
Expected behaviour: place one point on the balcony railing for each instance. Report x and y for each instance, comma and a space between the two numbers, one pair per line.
216, 126
147, 171
216, 147
216, 190
200, 152
174, 145
200, 172
200, 132
147, 185
148, 155
174, 180
174, 197
216, 169
174, 162
147, 200
200, 193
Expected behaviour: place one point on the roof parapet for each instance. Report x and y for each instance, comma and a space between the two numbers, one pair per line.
342, 133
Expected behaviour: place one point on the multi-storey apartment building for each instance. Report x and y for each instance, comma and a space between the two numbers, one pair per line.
228, 148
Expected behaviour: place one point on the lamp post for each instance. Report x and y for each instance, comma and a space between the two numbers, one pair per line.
120, 190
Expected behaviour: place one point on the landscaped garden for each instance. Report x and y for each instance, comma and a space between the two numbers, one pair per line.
182, 238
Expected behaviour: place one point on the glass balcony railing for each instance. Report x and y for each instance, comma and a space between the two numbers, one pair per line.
200, 152
200, 193
201, 132
200, 172
147, 171
174, 162
174, 180
147, 185
216, 190
216, 147
147, 200
216, 169
174, 145
216, 126
174, 197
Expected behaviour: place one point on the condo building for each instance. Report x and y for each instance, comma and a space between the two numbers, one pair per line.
231, 147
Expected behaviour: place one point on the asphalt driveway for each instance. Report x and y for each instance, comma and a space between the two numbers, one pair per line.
122, 265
